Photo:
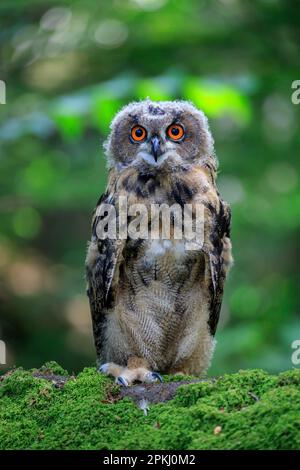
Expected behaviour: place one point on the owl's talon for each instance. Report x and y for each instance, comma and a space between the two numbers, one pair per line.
157, 376
104, 368
151, 377
122, 381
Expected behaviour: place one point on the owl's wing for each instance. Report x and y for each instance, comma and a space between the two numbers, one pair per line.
219, 260
102, 266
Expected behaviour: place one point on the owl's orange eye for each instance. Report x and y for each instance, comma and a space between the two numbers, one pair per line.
138, 133
175, 132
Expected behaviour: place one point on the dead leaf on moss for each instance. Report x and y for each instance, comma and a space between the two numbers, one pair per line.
217, 430
44, 392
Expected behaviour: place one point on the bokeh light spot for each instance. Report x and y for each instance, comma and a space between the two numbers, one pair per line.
111, 33
27, 222
56, 18
282, 177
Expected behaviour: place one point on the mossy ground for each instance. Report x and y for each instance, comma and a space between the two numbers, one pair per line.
254, 410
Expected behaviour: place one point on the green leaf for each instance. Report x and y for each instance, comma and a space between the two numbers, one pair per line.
218, 99
70, 125
104, 107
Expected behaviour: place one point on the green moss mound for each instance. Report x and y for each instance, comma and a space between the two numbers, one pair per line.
247, 410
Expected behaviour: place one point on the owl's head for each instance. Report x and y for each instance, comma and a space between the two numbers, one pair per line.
162, 135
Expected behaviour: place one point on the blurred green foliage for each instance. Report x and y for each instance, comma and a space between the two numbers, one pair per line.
68, 67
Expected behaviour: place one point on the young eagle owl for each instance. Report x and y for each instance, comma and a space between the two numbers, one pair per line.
155, 304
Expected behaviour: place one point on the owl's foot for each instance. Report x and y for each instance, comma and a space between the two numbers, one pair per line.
136, 370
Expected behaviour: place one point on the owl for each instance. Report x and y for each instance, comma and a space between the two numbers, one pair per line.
154, 303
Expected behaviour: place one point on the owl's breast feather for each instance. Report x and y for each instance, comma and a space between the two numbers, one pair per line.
159, 248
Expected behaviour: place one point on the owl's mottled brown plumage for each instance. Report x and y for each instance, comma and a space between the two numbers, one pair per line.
155, 305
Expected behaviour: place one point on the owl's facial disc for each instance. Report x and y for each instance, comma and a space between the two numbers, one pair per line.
155, 146
159, 136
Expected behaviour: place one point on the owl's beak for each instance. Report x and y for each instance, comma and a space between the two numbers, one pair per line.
155, 147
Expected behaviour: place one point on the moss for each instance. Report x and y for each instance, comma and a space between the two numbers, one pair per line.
178, 378
290, 377
254, 410
52, 367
